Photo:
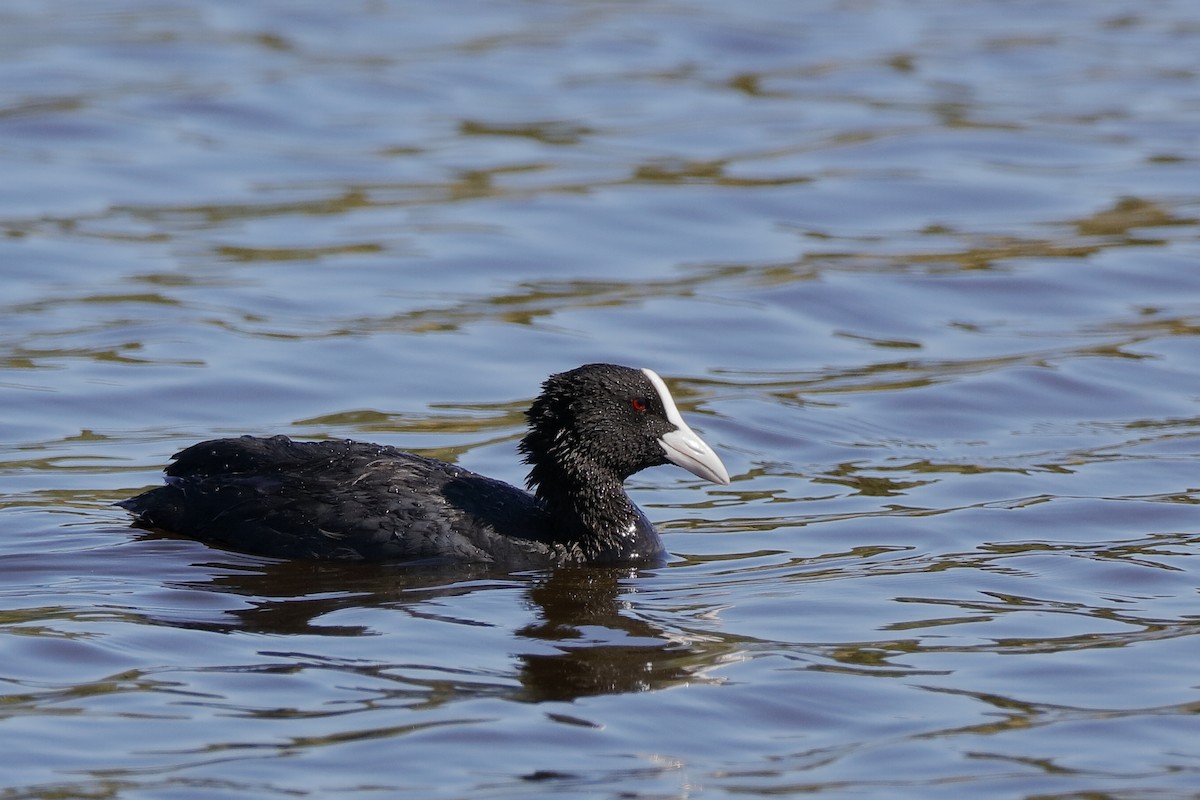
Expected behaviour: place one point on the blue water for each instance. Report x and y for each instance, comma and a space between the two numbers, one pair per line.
926, 275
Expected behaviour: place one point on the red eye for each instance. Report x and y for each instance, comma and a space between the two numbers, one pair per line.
638, 403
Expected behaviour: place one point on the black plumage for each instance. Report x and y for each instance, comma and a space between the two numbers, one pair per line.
589, 430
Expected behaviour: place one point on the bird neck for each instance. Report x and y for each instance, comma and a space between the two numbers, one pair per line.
587, 504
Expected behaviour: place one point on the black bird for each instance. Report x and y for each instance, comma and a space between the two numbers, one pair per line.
589, 430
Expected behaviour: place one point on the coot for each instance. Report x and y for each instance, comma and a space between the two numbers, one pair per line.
589, 430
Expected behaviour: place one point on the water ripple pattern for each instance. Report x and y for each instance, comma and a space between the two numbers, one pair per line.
925, 274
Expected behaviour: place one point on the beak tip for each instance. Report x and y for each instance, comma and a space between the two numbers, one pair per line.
689, 451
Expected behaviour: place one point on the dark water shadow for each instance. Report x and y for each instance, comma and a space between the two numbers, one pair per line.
583, 638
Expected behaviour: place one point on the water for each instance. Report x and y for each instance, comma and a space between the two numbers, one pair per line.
925, 274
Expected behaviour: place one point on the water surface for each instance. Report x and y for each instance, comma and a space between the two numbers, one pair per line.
925, 274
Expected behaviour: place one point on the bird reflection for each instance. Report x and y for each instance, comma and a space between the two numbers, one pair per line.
600, 649
584, 638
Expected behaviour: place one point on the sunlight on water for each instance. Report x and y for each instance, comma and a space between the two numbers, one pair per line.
925, 277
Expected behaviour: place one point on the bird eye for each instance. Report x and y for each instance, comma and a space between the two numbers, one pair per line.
638, 403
